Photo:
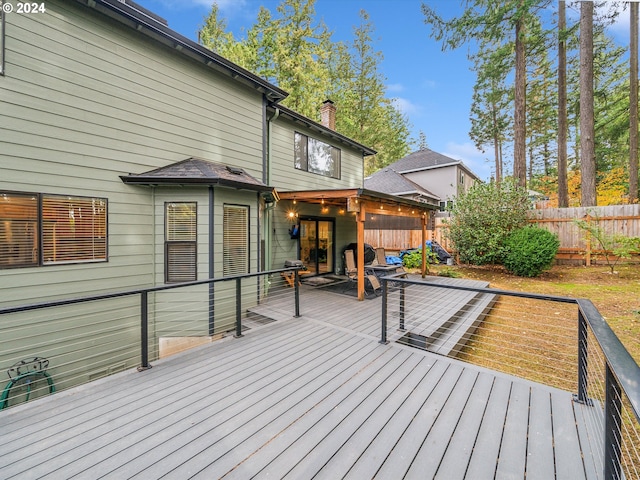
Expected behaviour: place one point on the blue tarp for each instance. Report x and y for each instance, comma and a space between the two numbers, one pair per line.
393, 260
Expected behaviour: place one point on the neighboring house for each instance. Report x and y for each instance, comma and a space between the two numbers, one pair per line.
133, 157
389, 181
443, 177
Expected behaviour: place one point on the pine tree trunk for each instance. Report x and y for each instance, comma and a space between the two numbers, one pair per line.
519, 117
563, 188
633, 105
587, 146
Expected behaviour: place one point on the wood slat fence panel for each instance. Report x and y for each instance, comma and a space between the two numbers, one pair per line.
623, 219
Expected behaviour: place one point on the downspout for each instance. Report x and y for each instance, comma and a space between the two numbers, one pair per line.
211, 262
266, 178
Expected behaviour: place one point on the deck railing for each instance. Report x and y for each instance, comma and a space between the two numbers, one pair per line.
54, 345
557, 341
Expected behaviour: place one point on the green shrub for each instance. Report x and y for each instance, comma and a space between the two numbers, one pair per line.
530, 251
449, 272
414, 259
483, 217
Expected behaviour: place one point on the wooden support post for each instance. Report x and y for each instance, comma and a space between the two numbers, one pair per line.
360, 260
588, 246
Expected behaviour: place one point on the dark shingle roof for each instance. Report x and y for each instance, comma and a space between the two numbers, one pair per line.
425, 159
391, 182
197, 171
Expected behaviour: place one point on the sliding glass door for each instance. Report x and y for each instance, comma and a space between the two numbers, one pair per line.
317, 245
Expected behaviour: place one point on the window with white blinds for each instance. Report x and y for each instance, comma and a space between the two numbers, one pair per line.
40, 229
18, 230
181, 232
235, 240
74, 229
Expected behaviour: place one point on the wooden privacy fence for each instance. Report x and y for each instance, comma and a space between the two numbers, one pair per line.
574, 246
574, 243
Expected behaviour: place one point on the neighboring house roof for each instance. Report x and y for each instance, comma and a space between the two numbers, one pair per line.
389, 181
295, 117
135, 16
426, 159
195, 171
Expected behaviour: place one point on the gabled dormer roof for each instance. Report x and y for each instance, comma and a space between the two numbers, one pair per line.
426, 159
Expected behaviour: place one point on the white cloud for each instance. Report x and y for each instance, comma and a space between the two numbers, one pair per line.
406, 106
473, 158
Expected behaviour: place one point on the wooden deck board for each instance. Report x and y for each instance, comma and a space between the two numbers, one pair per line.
513, 448
569, 463
540, 454
299, 398
456, 458
427, 461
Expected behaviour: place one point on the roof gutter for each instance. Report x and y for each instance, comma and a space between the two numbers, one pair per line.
152, 26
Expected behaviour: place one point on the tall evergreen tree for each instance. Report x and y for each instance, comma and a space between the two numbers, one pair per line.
563, 189
295, 52
587, 129
633, 104
494, 20
492, 101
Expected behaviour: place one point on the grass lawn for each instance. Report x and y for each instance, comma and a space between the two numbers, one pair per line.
617, 296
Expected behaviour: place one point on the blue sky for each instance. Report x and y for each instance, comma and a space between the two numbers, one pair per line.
433, 88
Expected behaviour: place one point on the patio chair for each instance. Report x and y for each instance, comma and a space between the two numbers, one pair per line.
352, 274
381, 258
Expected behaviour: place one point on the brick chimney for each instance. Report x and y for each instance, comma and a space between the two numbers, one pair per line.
328, 114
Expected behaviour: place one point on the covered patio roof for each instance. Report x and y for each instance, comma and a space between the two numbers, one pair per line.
362, 201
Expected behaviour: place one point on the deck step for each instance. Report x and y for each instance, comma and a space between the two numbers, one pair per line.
460, 332
455, 317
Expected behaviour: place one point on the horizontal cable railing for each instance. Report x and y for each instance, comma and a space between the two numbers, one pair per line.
51, 346
560, 342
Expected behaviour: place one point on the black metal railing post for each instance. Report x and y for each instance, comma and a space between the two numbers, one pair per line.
383, 337
296, 285
238, 308
583, 374
612, 428
402, 305
144, 331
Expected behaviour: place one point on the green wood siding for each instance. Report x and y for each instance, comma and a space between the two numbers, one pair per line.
85, 100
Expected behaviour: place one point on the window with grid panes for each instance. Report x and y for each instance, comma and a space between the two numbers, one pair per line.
181, 229
235, 240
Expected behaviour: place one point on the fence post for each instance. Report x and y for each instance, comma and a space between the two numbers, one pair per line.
383, 337
612, 428
296, 285
583, 375
238, 308
144, 332
587, 260
402, 300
